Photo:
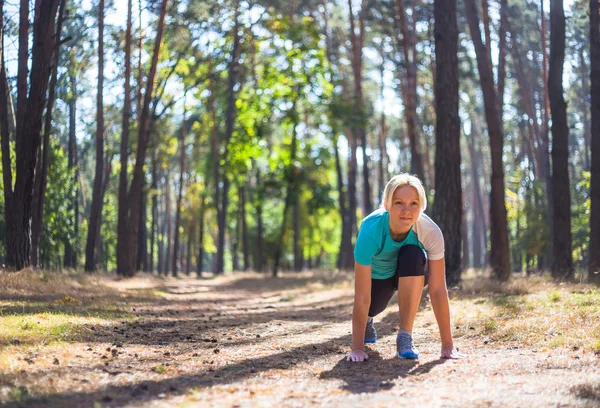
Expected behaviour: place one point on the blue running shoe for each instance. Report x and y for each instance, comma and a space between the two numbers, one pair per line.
405, 347
370, 332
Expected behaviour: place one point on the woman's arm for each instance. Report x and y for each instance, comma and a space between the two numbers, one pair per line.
362, 301
441, 307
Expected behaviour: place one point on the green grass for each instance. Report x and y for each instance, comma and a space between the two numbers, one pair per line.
539, 314
46, 327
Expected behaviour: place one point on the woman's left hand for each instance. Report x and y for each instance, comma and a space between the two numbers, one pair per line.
449, 352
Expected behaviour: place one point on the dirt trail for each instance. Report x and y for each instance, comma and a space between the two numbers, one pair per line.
251, 341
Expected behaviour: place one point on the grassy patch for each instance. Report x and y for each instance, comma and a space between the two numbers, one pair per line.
534, 312
44, 327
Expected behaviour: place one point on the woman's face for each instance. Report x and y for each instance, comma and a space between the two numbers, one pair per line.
404, 210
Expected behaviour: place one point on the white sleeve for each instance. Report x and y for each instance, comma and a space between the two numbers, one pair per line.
431, 237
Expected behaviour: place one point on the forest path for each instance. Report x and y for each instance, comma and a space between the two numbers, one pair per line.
248, 340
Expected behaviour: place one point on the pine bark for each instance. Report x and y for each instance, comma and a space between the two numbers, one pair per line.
448, 205
30, 108
500, 251
41, 175
96, 211
594, 259
123, 208
129, 251
562, 260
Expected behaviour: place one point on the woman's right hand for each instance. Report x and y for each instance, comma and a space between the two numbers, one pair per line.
357, 356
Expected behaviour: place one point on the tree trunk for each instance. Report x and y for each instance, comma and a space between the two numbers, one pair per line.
297, 235
123, 211
30, 108
359, 131
180, 192
96, 211
234, 73
545, 145
259, 261
154, 226
168, 259
292, 190
245, 249
160, 225
41, 177
127, 266
70, 252
409, 88
200, 260
562, 261
448, 207
594, 261
142, 253
500, 251
502, 48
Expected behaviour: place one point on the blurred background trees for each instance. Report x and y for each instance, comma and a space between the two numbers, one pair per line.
209, 136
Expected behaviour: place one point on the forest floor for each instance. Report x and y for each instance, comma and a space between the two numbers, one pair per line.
248, 340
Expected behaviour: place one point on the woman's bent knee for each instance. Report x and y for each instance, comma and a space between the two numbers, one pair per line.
411, 261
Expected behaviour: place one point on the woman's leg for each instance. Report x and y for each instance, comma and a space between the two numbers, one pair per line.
411, 279
382, 291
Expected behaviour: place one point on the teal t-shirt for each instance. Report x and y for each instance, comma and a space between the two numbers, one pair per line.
375, 246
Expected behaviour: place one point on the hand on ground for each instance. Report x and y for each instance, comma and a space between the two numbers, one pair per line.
357, 356
448, 351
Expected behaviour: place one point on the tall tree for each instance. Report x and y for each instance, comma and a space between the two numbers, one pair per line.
562, 259
448, 206
594, 261
356, 56
41, 175
180, 191
30, 108
96, 211
123, 212
234, 70
128, 253
499, 252
409, 85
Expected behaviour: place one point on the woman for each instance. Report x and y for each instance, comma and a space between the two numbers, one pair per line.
393, 245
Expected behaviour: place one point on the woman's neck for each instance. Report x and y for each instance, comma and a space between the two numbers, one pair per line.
399, 236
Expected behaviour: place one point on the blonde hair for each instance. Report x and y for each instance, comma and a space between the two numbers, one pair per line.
402, 180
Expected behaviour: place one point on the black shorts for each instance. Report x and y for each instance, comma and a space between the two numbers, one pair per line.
411, 262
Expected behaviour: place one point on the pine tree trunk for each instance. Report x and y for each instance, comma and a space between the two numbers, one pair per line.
409, 88
168, 258
562, 261
500, 251
41, 177
180, 192
123, 209
234, 73
130, 250
96, 211
291, 190
70, 253
259, 260
448, 207
154, 227
245, 243
545, 145
594, 261
30, 108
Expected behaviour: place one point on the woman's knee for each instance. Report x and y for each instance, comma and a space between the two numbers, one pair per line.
411, 261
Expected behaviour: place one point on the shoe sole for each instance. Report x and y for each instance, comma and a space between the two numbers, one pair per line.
371, 341
408, 355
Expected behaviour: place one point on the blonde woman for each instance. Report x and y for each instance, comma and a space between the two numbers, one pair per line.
393, 246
